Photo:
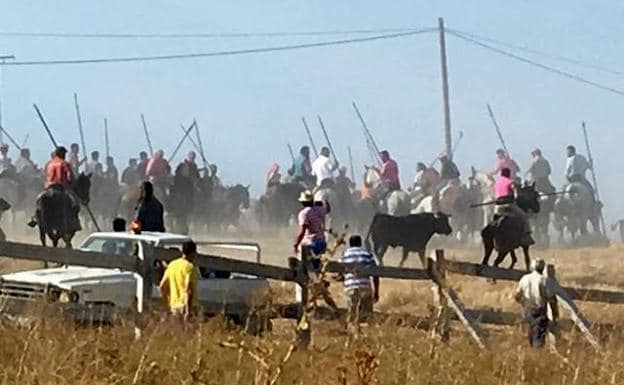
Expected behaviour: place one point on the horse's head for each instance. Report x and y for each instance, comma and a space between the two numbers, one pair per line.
82, 186
240, 195
528, 198
372, 177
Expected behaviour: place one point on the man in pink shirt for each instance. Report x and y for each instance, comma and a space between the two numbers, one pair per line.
505, 194
158, 168
389, 171
504, 161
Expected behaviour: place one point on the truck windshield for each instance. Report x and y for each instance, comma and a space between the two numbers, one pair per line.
125, 247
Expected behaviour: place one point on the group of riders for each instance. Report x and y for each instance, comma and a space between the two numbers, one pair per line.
324, 172
62, 170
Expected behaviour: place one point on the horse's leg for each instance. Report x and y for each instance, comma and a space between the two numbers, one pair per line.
514, 259
500, 257
488, 246
380, 251
404, 256
527, 257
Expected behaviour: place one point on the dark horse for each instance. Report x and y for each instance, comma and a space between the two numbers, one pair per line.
55, 216
505, 233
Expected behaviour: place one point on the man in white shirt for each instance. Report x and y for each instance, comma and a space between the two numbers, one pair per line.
323, 168
576, 168
5, 162
534, 292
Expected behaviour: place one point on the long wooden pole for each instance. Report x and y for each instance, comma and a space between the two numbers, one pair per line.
45, 125
200, 144
351, 164
106, 137
445, 90
498, 130
80, 130
593, 173
329, 143
2, 130
307, 129
186, 134
147, 137
367, 134
292, 153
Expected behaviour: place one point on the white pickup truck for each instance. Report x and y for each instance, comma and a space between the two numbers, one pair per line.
98, 294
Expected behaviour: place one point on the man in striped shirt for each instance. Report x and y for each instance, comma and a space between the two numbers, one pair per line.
362, 290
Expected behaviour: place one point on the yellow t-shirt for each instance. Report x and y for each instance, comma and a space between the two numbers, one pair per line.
181, 274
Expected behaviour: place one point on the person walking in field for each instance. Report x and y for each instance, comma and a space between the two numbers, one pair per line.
178, 287
361, 290
534, 292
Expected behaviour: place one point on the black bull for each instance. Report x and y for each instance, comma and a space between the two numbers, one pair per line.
412, 232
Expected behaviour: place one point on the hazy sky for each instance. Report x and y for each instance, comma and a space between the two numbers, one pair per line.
249, 107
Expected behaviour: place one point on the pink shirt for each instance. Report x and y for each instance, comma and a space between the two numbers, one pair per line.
390, 172
157, 168
509, 163
503, 187
314, 220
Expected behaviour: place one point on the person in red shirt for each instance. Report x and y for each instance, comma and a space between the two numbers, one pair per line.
58, 170
60, 176
389, 171
505, 194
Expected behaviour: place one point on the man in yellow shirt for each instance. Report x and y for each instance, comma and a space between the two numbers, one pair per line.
178, 286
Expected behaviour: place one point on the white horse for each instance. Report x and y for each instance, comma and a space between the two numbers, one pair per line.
485, 182
396, 203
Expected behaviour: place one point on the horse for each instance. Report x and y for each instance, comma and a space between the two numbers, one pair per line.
279, 204
541, 221
482, 185
396, 203
106, 198
55, 217
181, 202
228, 203
505, 234
574, 209
130, 195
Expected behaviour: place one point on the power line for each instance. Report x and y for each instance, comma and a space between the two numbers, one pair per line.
219, 53
210, 35
554, 70
538, 52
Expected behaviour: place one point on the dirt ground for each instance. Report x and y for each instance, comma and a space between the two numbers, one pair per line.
52, 353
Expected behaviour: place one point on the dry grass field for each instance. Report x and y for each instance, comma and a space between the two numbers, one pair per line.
50, 352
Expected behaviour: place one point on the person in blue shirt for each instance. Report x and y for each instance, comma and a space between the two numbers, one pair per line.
302, 167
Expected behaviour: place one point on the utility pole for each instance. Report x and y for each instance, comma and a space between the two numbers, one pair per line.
445, 92
3, 59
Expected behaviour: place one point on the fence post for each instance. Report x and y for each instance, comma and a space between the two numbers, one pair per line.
300, 268
552, 311
440, 327
145, 278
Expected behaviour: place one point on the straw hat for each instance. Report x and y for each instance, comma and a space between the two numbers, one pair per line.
306, 197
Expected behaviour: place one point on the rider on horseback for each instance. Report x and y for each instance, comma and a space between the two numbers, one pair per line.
427, 178
302, 167
389, 171
576, 168
505, 195
539, 172
323, 168
60, 178
449, 175
504, 161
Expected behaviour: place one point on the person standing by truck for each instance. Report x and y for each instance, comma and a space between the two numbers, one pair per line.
178, 287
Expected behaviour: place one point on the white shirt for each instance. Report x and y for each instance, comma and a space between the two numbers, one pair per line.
322, 168
535, 290
577, 165
5, 163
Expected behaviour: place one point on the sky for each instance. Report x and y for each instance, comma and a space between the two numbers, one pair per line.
249, 107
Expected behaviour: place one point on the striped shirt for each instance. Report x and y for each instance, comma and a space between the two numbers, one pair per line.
360, 256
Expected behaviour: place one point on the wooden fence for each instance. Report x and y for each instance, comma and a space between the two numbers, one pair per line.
446, 300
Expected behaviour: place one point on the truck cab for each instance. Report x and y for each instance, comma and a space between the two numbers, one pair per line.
87, 293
